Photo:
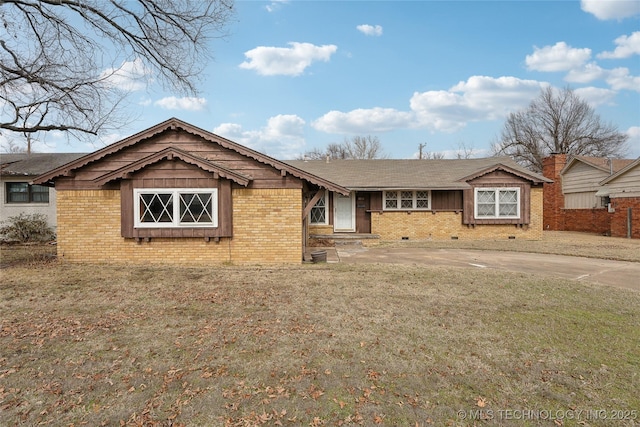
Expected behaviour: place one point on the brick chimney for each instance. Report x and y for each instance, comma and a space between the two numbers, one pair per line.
553, 205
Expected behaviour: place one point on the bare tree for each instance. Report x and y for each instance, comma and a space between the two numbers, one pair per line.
363, 147
464, 151
557, 121
359, 147
428, 155
62, 62
9, 145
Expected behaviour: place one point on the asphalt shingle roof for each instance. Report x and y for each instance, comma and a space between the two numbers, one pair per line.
443, 174
34, 164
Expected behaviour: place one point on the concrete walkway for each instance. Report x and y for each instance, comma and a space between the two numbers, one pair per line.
621, 274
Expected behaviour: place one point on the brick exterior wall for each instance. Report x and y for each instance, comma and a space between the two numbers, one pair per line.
267, 226
267, 230
444, 225
320, 229
553, 197
585, 220
619, 217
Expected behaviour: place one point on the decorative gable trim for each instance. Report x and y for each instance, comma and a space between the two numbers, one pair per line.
172, 153
500, 167
175, 124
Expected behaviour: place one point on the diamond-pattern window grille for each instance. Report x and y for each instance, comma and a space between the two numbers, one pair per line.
156, 208
407, 200
196, 208
391, 200
486, 201
319, 212
508, 203
176, 207
422, 199
497, 203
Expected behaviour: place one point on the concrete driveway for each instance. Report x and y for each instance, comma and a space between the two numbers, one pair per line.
621, 274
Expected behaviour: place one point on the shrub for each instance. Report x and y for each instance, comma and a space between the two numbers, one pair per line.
27, 228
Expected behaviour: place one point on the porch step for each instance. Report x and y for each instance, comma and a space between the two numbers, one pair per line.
345, 237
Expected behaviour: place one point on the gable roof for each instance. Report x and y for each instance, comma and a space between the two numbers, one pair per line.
34, 164
609, 179
441, 174
173, 124
171, 153
604, 164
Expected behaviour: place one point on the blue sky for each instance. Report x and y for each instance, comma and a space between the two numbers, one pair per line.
296, 75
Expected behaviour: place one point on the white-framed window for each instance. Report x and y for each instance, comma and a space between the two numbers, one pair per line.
407, 200
318, 214
497, 203
175, 207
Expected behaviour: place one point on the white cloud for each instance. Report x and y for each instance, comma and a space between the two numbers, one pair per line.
364, 121
595, 96
479, 98
275, 5
611, 9
626, 46
619, 79
130, 76
287, 61
188, 103
370, 30
496, 97
282, 137
586, 73
559, 57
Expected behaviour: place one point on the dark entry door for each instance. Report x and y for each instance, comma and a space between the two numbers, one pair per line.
363, 214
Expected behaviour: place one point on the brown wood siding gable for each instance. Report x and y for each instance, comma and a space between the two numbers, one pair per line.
174, 134
497, 179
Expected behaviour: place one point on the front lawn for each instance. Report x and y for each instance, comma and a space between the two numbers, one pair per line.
313, 345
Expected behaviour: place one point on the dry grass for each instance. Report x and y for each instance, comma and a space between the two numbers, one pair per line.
553, 242
13, 254
311, 345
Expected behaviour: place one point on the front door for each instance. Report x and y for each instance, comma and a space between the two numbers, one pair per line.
363, 213
344, 212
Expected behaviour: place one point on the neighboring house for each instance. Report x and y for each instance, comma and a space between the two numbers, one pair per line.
622, 190
175, 193
573, 202
491, 198
17, 193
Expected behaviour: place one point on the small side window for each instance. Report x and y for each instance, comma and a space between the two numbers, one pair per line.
22, 192
318, 214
